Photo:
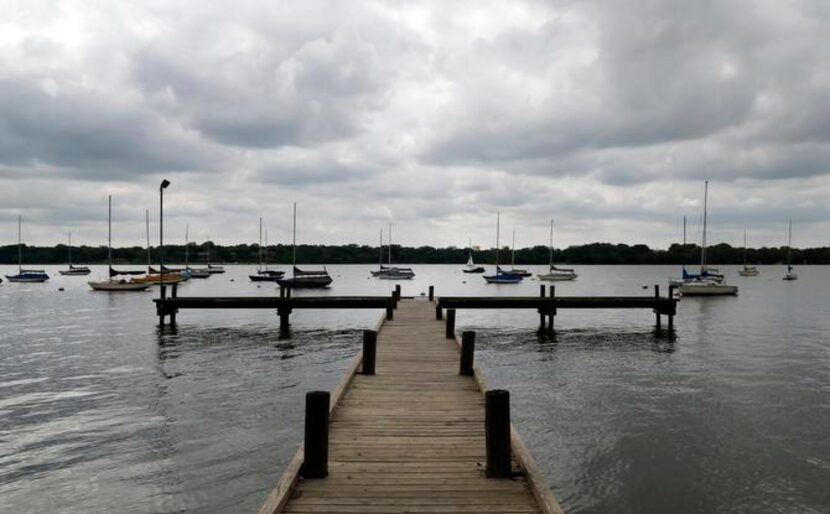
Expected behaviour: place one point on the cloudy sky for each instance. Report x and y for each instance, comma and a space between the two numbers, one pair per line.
605, 115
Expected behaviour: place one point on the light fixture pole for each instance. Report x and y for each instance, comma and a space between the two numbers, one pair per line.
162, 187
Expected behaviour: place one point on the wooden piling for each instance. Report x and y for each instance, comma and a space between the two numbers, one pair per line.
163, 296
541, 311
397, 292
657, 312
552, 311
174, 293
468, 345
390, 312
497, 433
285, 327
439, 313
450, 332
316, 448
282, 291
370, 339
431, 293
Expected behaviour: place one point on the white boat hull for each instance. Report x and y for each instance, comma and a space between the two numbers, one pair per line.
748, 272
117, 285
791, 276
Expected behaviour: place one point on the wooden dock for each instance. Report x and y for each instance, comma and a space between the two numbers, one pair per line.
411, 437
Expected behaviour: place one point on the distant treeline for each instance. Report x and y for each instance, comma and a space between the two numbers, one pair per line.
594, 253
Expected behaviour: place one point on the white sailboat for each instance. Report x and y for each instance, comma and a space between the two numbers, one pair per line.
791, 274
112, 284
708, 282
554, 273
194, 272
501, 276
747, 271
393, 272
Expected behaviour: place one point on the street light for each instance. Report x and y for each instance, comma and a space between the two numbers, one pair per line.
162, 187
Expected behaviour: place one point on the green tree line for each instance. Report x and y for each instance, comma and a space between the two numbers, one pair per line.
594, 253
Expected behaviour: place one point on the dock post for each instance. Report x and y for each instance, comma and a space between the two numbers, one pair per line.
370, 340
671, 324
397, 292
282, 291
390, 311
541, 309
431, 293
394, 300
468, 345
284, 313
552, 312
162, 307
316, 448
450, 333
657, 311
173, 294
497, 433
288, 292
439, 314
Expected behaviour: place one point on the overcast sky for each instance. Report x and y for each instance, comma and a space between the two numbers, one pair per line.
605, 115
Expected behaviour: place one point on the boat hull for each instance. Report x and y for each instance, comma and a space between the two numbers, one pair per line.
748, 272
791, 276
709, 289
474, 270
557, 277
305, 282
118, 285
28, 277
75, 272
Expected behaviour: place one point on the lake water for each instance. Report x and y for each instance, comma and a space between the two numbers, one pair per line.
100, 412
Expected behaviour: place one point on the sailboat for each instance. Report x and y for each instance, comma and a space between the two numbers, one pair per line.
25, 275
264, 274
165, 275
554, 273
194, 272
747, 271
501, 276
393, 272
303, 279
708, 282
120, 284
513, 270
214, 270
790, 275
73, 270
471, 267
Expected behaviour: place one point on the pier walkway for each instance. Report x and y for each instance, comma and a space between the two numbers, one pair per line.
411, 438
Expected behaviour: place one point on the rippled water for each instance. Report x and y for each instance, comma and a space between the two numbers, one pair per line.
100, 412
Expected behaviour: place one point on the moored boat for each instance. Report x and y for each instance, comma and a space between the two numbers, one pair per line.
73, 270
25, 275
555, 274
501, 276
392, 272
315, 279
264, 274
112, 284
747, 270
790, 274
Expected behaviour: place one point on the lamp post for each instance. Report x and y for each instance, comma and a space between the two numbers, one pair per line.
162, 187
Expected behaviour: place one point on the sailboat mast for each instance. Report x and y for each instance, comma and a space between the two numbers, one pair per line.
20, 243
294, 239
109, 232
186, 246
684, 231
550, 247
513, 251
705, 207
70, 250
498, 221
790, 245
390, 244
380, 249
265, 250
744, 248
147, 219
259, 269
